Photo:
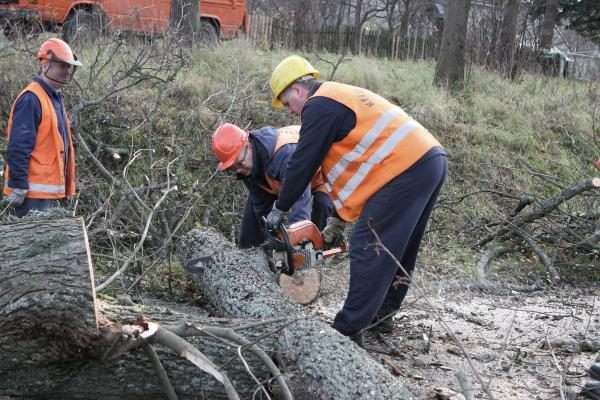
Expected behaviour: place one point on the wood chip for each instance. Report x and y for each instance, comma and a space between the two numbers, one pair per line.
303, 287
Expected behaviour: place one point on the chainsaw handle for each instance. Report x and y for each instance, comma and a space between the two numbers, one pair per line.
282, 245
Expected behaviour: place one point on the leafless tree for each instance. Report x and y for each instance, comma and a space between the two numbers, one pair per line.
505, 50
548, 24
450, 68
185, 19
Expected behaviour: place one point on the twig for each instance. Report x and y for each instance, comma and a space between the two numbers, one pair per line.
227, 333
562, 395
138, 245
160, 370
546, 260
484, 385
464, 385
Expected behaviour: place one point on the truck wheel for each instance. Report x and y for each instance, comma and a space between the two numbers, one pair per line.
208, 33
83, 26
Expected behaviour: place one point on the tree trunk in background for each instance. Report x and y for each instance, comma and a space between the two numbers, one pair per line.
358, 27
239, 284
450, 68
508, 38
185, 19
547, 28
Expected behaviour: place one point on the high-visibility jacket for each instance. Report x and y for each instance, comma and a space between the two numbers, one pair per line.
290, 135
48, 176
384, 143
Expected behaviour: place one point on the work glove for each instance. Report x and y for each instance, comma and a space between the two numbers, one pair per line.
333, 233
276, 217
16, 198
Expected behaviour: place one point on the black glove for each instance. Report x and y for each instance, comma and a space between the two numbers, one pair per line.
16, 198
276, 217
333, 233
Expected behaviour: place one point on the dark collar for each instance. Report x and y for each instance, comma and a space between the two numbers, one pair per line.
49, 89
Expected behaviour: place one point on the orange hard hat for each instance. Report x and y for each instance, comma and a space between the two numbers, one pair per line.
56, 50
227, 142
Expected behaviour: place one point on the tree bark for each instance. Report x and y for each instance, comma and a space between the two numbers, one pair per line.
450, 68
46, 292
185, 19
547, 28
239, 284
132, 376
58, 342
508, 38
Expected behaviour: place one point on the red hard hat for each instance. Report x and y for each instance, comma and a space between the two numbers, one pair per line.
227, 142
57, 50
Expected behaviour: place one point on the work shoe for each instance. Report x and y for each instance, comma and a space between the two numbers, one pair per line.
385, 325
591, 390
358, 338
594, 371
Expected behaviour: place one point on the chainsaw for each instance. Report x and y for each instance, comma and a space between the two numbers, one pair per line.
294, 252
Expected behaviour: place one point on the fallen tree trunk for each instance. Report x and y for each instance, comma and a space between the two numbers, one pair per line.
58, 342
47, 293
240, 285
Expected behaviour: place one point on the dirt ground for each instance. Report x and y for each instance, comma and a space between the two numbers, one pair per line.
535, 345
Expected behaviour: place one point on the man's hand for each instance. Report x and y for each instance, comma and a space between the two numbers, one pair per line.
276, 217
333, 233
16, 198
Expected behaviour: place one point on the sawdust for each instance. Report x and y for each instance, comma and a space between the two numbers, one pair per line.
535, 345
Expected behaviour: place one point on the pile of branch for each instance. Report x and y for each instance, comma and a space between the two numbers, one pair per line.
579, 232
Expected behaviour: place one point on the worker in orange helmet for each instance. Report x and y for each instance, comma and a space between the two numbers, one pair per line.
40, 167
259, 159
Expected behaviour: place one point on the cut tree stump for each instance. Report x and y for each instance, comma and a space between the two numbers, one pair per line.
46, 292
239, 284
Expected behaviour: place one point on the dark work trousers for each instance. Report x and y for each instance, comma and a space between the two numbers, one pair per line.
398, 213
34, 204
322, 208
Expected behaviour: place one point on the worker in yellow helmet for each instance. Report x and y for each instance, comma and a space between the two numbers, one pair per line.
41, 161
382, 170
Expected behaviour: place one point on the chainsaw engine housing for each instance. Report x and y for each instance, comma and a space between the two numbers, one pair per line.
300, 246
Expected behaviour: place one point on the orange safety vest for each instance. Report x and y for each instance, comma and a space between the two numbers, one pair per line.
384, 143
289, 135
47, 178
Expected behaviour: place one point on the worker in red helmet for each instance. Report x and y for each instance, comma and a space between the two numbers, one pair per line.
40, 168
259, 159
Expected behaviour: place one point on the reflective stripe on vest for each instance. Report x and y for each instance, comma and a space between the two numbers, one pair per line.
39, 187
383, 144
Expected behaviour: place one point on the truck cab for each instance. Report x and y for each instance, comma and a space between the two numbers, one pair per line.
222, 18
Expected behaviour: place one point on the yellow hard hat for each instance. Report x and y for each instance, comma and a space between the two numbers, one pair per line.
288, 71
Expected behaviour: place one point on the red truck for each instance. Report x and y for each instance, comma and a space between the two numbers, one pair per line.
219, 18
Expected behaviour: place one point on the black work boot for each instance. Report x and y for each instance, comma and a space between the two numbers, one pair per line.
591, 390
385, 325
358, 338
594, 371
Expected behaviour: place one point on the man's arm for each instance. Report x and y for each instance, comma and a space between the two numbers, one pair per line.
324, 121
301, 209
27, 115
